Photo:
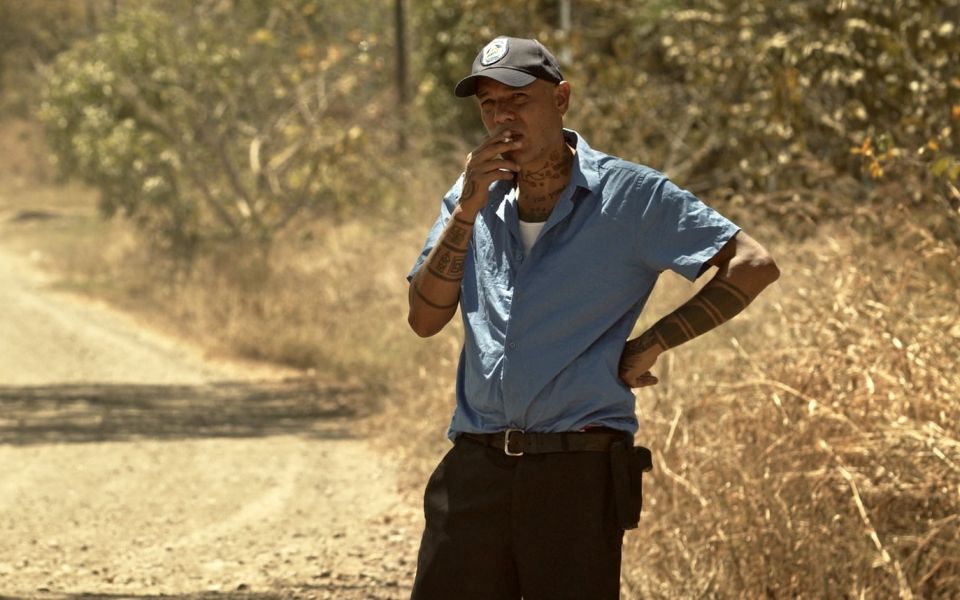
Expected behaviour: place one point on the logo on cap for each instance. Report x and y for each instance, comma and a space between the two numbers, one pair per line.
494, 51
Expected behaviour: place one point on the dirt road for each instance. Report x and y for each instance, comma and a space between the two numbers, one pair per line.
130, 467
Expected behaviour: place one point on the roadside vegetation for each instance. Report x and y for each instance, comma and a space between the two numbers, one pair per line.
267, 192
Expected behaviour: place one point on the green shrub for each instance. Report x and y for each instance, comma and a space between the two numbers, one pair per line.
216, 121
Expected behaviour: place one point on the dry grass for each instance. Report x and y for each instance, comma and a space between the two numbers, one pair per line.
810, 448
823, 460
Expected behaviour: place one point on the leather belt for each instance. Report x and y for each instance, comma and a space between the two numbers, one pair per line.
516, 442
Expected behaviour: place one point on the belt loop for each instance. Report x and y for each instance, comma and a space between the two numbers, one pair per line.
565, 441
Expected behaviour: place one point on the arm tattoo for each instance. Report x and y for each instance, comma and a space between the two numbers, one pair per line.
448, 258
456, 266
452, 248
717, 302
456, 236
446, 264
427, 301
439, 264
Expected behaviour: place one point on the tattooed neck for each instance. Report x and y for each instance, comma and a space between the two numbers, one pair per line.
540, 188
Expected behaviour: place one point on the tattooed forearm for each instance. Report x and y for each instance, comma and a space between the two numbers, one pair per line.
437, 285
432, 304
457, 235
447, 264
446, 261
458, 232
717, 302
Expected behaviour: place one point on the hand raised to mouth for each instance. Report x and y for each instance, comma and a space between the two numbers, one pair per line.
487, 163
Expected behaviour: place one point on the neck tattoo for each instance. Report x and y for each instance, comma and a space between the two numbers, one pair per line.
539, 189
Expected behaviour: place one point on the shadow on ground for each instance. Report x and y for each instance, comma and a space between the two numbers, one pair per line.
359, 589
347, 593
340, 594
117, 412
201, 596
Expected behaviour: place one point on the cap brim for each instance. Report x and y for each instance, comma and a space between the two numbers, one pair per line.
512, 77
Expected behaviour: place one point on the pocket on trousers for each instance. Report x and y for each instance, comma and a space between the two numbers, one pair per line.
628, 464
436, 505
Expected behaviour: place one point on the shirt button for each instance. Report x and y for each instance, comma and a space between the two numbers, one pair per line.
512, 345
519, 257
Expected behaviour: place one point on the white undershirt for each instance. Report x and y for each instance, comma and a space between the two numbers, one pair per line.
529, 233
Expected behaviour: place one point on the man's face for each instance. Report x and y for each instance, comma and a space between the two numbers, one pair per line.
533, 114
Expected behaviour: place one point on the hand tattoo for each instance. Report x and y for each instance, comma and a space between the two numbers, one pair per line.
640, 345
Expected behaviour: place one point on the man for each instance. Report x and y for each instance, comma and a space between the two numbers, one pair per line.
550, 250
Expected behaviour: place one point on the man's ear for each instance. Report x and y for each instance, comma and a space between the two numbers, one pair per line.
561, 95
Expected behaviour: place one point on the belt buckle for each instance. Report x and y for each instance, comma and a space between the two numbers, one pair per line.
506, 442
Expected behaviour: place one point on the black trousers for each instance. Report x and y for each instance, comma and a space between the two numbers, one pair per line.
538, 526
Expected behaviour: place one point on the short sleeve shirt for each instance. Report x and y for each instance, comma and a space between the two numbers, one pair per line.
543, 333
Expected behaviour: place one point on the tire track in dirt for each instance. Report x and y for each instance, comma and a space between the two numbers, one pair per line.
47, 337
134, 467
270, 502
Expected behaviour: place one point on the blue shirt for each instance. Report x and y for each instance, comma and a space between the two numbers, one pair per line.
543, 334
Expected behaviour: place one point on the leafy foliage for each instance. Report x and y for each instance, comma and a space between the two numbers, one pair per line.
228, 118
32, 33
216, 120
771, 103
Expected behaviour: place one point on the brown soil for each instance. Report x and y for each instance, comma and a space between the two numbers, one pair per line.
133, 467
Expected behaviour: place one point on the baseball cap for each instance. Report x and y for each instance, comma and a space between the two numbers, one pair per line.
516, 62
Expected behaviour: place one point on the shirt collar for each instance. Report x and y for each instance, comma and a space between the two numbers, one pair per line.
586, 169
